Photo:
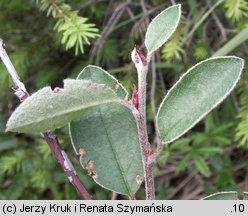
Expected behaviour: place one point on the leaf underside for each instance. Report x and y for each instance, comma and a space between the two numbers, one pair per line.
49, 109
109, 135
197, 92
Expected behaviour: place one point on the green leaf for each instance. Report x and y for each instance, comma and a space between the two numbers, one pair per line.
197, 92
109, 135
209, 150
98, 75
49, 109
227, 195
201, 165
162, 27
183, 163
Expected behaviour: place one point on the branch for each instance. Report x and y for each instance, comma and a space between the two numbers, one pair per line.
153, 91
160, 75
141, 64
203, 18
152, 158
218, 23
96, 50
52, 141
59, 10
143, 6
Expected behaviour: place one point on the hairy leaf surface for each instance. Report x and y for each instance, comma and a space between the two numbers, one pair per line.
162, 27
197, 92
109, 136
98, 75
49, 109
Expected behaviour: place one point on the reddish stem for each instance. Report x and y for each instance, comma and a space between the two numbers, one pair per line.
141, 64
53, 143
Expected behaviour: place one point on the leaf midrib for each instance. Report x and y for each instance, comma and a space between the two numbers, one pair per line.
58, 114
115, 155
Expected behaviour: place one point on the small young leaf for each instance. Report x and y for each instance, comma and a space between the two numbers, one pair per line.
108, 135
49, 109
162, 27
227, 195
197, 92
98, 75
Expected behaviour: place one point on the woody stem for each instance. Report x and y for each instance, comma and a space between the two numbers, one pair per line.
148, 167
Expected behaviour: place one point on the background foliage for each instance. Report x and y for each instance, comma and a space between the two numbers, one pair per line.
50, 40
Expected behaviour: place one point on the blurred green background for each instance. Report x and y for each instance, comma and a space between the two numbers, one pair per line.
50, 40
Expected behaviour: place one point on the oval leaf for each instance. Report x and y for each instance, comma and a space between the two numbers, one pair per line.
108, 136
112, 130
49, 109
196, 93
230, 195
98, 75
162, 27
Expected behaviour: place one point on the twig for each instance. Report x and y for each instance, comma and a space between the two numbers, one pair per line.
153, 105
143, 132
141, 64
235, 102
181, 185
162, 84
144, 9
144, 19
114, 196
130, 13
153, 87
160, 146
220, 26
51, 139
95, 53
203, 18
59, 10
193, 194
218, 23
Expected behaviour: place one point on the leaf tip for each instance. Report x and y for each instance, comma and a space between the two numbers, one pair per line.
9, 126
177, 6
